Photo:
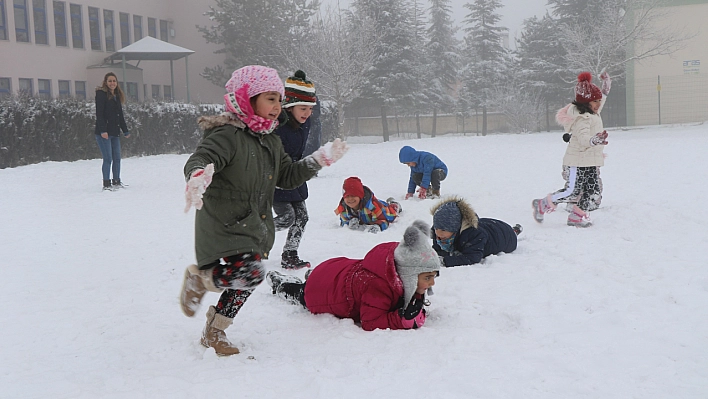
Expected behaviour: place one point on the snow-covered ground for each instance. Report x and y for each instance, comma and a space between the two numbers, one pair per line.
91, 278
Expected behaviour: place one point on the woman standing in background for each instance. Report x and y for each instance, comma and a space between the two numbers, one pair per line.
109, 123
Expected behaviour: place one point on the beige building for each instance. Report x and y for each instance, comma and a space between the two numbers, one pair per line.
674, 88
59, 48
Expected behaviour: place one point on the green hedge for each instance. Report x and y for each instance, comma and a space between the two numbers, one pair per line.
34, 130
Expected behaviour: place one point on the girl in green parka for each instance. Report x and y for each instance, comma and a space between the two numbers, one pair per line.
231, 178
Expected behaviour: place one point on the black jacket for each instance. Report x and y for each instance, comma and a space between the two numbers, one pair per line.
294, 140
109, 115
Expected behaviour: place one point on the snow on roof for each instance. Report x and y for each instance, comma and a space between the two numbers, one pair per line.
149, 48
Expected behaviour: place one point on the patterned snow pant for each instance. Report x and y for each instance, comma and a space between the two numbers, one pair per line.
292, 216
436, 176
583, 187
239, 275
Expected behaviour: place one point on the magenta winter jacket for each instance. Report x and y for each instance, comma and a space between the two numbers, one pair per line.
367, 290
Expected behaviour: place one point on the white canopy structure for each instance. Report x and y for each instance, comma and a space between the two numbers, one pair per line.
151, 49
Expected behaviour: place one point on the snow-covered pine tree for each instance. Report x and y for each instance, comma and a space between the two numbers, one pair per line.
485, 55
442, 55
251, 31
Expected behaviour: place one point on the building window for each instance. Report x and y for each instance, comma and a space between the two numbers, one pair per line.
39, 12
133, 91
21, 21
163, 30
94, 28
3, 21
152, 27
108, 29
156, 92
124, 29
80, 89
5, 87
168, 92
138, 27
44, 87
26, 87
60, 23
64, 88
77, 28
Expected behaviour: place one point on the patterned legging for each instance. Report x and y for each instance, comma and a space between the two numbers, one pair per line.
239, 275
292, 216
583, 186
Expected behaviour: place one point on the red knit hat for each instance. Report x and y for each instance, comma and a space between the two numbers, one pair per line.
585, 90
352, 186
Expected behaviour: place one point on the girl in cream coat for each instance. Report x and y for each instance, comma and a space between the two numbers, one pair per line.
584, 154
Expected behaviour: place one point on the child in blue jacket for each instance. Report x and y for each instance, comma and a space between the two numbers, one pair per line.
427, 170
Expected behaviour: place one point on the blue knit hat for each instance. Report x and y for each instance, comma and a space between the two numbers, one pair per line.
448, 217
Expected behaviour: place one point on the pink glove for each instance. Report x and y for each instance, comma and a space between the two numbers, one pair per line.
409, 195
197, 185
599, 138
422, 193
330, 152
415, 322
606, 82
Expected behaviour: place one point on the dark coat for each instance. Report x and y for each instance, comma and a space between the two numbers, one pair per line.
477, 238
368, 290
294, 139
237, 216
109, 115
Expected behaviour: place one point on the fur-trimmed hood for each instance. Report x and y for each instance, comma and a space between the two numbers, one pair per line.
225, 118
469, 216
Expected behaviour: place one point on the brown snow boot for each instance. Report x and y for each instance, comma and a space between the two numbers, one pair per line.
196, 284
214, 336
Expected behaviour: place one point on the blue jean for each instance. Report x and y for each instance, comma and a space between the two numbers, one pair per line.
110, 150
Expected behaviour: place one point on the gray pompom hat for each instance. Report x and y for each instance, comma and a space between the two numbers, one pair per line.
415, 255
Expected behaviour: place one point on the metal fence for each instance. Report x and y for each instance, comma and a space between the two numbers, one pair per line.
668, 99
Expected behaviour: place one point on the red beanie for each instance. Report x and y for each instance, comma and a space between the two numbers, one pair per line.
585, 91
352, 186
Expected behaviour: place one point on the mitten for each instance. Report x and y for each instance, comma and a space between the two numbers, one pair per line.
354, 223
413, 316
599, 138
197, 185
606, 82
409, 195
373, 229
422, 193
330, 152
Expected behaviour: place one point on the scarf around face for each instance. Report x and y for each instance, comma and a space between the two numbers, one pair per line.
239, 104
447, 243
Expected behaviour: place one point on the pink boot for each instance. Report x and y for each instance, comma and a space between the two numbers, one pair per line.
541, 207
579, 218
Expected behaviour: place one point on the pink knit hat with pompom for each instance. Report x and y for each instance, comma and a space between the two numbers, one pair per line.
248, 82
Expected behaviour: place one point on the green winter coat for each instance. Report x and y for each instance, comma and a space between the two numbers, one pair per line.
237, 216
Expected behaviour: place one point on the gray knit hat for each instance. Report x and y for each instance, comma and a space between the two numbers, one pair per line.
448, 217
415, 255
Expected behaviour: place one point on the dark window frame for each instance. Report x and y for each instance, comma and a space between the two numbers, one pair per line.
77, 38
137, 27
60, 15
164, 30
19, 32
155, 93
165, 89
64, 93
44, 93
124, 29
6, 92
31, 84
80, 92
3, 22
152, 27
39, 16
109, 26
95, 28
